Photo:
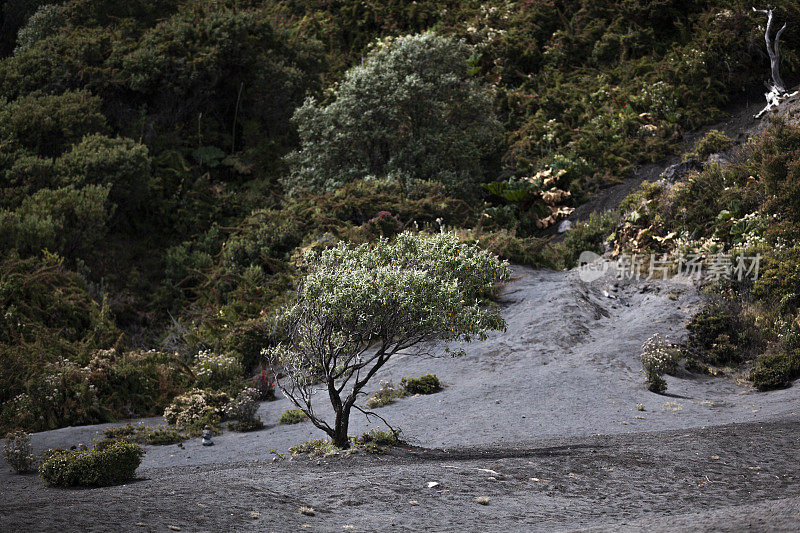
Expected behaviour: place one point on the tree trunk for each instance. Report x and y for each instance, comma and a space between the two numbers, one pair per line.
340, 438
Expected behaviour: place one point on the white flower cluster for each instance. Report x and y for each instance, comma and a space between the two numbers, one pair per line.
194, 406
211, 368
658, 357
245, 406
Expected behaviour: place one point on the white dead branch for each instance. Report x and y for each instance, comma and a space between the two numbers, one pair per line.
777, 89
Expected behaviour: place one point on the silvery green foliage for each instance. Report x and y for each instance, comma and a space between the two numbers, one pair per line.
658, 357
359, 305
245, 406
17, 452
411, 110
46, 21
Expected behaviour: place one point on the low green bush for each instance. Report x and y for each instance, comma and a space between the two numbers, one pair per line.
722, 334
17, 452
425, 384
107, 463
387, 394
712, 142
157, 436
776, 369
292, 416
315, 447
377, 441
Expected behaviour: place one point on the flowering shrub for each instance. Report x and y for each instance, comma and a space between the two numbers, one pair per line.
107, 463
216, 370
17, 452
243, 409
658, 358
264, 383
196, 409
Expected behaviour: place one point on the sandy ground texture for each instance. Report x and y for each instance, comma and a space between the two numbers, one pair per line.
541, 419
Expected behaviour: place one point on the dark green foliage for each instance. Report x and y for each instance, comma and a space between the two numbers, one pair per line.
122, 165
722, 335
48, 124
377, 441
425, 384
107, 463
588, 236
411, 111
157, 436
776, 370
779, 282
70, 221
712, 142
292, 416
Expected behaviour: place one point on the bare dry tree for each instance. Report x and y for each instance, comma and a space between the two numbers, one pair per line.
777, 89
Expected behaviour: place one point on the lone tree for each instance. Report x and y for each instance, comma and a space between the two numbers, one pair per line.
357, 306
413, 109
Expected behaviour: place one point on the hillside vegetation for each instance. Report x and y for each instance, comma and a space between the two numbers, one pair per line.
164, 163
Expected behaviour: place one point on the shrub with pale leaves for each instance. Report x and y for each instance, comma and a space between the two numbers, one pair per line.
658, 358
243, 409
216, 370
197, 408
17, 452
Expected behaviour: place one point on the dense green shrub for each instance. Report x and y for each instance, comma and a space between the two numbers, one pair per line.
48, 124
590, 235
70, 221
410, 111
107, 463
315, 448
263, 239
122, 165
26, 175
712, 142
377, 441
292, 416
722, 334
425, 384
776, 370
779, 280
